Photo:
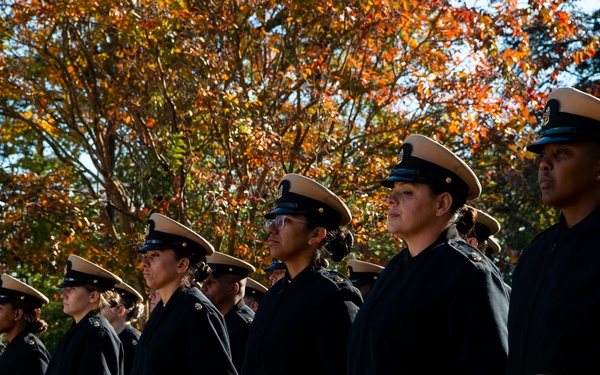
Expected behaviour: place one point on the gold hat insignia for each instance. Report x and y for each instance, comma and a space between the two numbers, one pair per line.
400, 156
280, 192
546, 116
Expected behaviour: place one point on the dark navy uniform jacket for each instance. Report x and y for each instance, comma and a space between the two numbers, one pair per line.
443, 311
238, 321
89, 347
25, 355
187, 336
129, 336
302, 325
554, 320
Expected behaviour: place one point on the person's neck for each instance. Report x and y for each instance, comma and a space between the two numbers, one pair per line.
226, 306
15, 331
421, 241
167, 291
78, 317
120, 326
295, 266
574, 214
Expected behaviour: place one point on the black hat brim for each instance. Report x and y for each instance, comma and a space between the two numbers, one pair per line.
389, 182
276, 266
284, 211
537, 146
65, 284
152, 247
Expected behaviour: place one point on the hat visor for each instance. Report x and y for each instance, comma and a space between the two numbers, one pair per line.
65, 284
6, 299
538, 145
274, 267
153, 247
389, 182
284, 211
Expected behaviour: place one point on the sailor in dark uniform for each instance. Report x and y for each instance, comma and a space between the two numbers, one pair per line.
439, 306
254, 292
363, 275
20, 309
276, 271
91, 345
226, 288
185, 334
477, 228
121, 314
554, 318
303, 320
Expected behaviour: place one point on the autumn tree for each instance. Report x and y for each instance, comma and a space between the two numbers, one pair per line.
110, 111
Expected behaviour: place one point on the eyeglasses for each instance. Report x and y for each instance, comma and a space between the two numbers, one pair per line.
279, 221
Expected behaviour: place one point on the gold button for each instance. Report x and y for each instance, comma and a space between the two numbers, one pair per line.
448, 180
476, 257
198, 306
96, 324
31, 342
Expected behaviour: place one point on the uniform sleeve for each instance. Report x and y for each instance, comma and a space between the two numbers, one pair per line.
36, 363
102, 353
479, 324
338, 315
207, 335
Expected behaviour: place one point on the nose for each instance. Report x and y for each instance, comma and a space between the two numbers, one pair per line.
271, 229
545, 164
390, 200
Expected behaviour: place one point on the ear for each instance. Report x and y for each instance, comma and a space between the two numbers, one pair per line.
19, 314
473, 241
94, 296
318, 235
234, 288
444, 204
183, 265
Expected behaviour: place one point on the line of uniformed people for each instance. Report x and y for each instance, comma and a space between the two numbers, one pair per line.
438, 306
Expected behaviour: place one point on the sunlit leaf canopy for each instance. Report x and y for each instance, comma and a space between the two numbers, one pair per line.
110, 111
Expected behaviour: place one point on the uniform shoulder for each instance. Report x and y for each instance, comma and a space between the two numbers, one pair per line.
470, 253
544, 232
97, 323
194, 300
32, 340
130, 334
335, 279
246, 314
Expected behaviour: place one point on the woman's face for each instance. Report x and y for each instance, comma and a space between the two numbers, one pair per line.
291, 241
78, 301
154, 297
411, 207
7, 317
567, 174
160, 268
276, 275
